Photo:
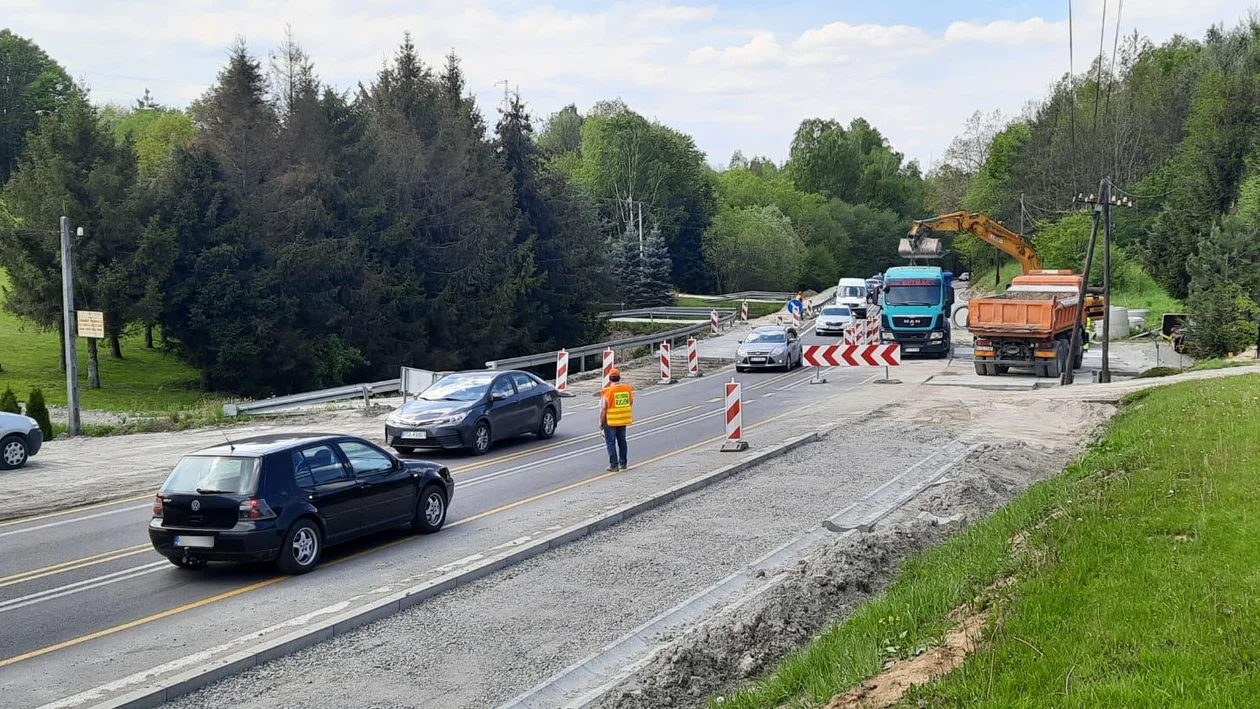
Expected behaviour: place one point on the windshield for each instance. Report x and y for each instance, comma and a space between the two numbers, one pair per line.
468, 386
207, 474
912, 295
767, 337
851, 292
837, 311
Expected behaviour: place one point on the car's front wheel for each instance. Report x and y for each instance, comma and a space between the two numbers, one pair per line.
13, 452
430, 511
547, 426
481, 438
301, 548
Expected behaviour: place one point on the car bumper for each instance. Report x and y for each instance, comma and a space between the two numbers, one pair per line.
34, 441
829, 330
435, 437
768, 362
254, 541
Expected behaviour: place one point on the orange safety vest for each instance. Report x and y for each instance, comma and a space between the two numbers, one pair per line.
618, 400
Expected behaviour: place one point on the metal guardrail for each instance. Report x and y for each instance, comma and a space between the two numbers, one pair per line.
667, 311
726, 317
323, 396
762, 295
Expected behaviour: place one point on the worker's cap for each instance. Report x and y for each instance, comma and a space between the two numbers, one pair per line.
614, 372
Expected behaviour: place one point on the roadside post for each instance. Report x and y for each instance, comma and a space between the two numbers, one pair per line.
796, 319
667, 375
609, 358
734, 442
779, 318
693, 358
713, 321
562, 371
67, 312
743, 311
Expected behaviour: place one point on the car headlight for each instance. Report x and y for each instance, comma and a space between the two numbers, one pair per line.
937, 336
448, 419
887, 336
34, 423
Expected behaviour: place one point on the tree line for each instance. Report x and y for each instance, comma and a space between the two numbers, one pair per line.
1176, 128
280, 234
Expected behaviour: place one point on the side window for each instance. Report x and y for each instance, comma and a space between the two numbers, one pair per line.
364, 459
317, 465
524, 382
503, 386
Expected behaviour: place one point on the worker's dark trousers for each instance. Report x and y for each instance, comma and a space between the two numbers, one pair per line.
615, 439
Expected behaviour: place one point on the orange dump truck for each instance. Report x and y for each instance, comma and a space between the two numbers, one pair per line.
1030, 325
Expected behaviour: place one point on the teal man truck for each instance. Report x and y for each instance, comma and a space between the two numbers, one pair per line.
915, 309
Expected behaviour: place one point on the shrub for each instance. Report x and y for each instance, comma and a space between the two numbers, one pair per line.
38, 410
9, 402
1159, 372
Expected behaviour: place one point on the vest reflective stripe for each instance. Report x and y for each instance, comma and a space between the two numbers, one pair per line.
617, 403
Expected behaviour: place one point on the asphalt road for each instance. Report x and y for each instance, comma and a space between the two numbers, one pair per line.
84, 600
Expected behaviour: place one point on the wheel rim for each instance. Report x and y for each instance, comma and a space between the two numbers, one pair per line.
482, 436
434, 509
305, 546
549, 423
14, 453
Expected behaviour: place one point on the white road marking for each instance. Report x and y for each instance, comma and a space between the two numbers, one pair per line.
58, 523
80, 586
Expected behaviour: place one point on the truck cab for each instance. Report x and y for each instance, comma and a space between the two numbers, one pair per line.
916, 303
851, 293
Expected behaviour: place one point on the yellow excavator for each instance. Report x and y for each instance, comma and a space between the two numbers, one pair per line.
919, 245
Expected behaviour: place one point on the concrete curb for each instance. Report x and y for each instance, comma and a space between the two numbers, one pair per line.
183, 683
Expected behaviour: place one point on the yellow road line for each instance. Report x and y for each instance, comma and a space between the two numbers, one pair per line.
74, 564
277, 579
74, 510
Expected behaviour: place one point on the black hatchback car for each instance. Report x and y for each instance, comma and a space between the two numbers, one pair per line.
284, 497
473, 409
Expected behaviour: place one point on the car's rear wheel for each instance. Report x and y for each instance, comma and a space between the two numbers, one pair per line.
547, 426
302, 546
186, 563
430, 511
481, 438
13, 452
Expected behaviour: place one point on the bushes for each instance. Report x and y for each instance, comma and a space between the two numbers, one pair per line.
38, 410
8, 401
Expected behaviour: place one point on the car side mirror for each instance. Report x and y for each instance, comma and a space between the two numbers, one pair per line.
497, 396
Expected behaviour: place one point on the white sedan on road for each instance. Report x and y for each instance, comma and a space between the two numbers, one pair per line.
833, 320
20, 438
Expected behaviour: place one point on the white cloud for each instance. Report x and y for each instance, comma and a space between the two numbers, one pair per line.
721, 74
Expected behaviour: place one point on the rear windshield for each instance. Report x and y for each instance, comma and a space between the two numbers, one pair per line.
207, 474
836, 310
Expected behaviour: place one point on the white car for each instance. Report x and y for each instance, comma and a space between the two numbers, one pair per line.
833, 320
20, 438
851, 292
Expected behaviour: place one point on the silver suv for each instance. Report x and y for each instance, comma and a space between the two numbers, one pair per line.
20, 438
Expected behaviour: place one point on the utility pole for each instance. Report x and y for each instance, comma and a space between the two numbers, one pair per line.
67, 305
1104, 376
1068, 375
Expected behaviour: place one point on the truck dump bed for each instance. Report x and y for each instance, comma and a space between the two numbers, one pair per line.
1040, 305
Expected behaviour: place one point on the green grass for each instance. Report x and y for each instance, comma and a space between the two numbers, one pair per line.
1210, 364
1136, 586
755, 309
1140, 291
982, 281
143, 381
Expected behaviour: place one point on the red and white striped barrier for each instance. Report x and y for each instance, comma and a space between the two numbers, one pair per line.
779, 318
667, 375
743, 311
713, 322
862, 332
734, 419
693, 358
853, 355
796, 319
609, 358
562, 370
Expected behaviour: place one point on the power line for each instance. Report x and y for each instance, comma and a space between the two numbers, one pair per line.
1111, 81
1072, 89
1102, 38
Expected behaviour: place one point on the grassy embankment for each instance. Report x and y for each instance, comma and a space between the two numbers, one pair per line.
1133, 578
755, 309
145, 382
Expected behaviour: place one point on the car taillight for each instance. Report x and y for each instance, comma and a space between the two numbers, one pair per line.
255, 509
157, 506
983, 343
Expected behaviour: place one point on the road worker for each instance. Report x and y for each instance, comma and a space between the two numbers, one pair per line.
616, 402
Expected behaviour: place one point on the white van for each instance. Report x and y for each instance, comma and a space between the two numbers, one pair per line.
851, 292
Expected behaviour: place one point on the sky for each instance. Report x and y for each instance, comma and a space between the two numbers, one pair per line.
734, 74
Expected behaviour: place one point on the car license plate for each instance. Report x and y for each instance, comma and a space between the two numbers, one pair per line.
415, 434
195, 542
757, 360
912, 349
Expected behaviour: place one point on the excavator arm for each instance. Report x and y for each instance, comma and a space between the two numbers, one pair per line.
979, 226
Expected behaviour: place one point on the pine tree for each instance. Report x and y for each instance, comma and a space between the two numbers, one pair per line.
9, 402
654, 267
38, 410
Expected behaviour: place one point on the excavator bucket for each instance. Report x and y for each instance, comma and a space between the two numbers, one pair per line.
920, 248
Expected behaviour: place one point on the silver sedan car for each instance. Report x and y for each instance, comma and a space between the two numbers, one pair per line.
769, 347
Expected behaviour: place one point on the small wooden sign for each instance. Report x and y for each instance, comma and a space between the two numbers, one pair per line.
91, 324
